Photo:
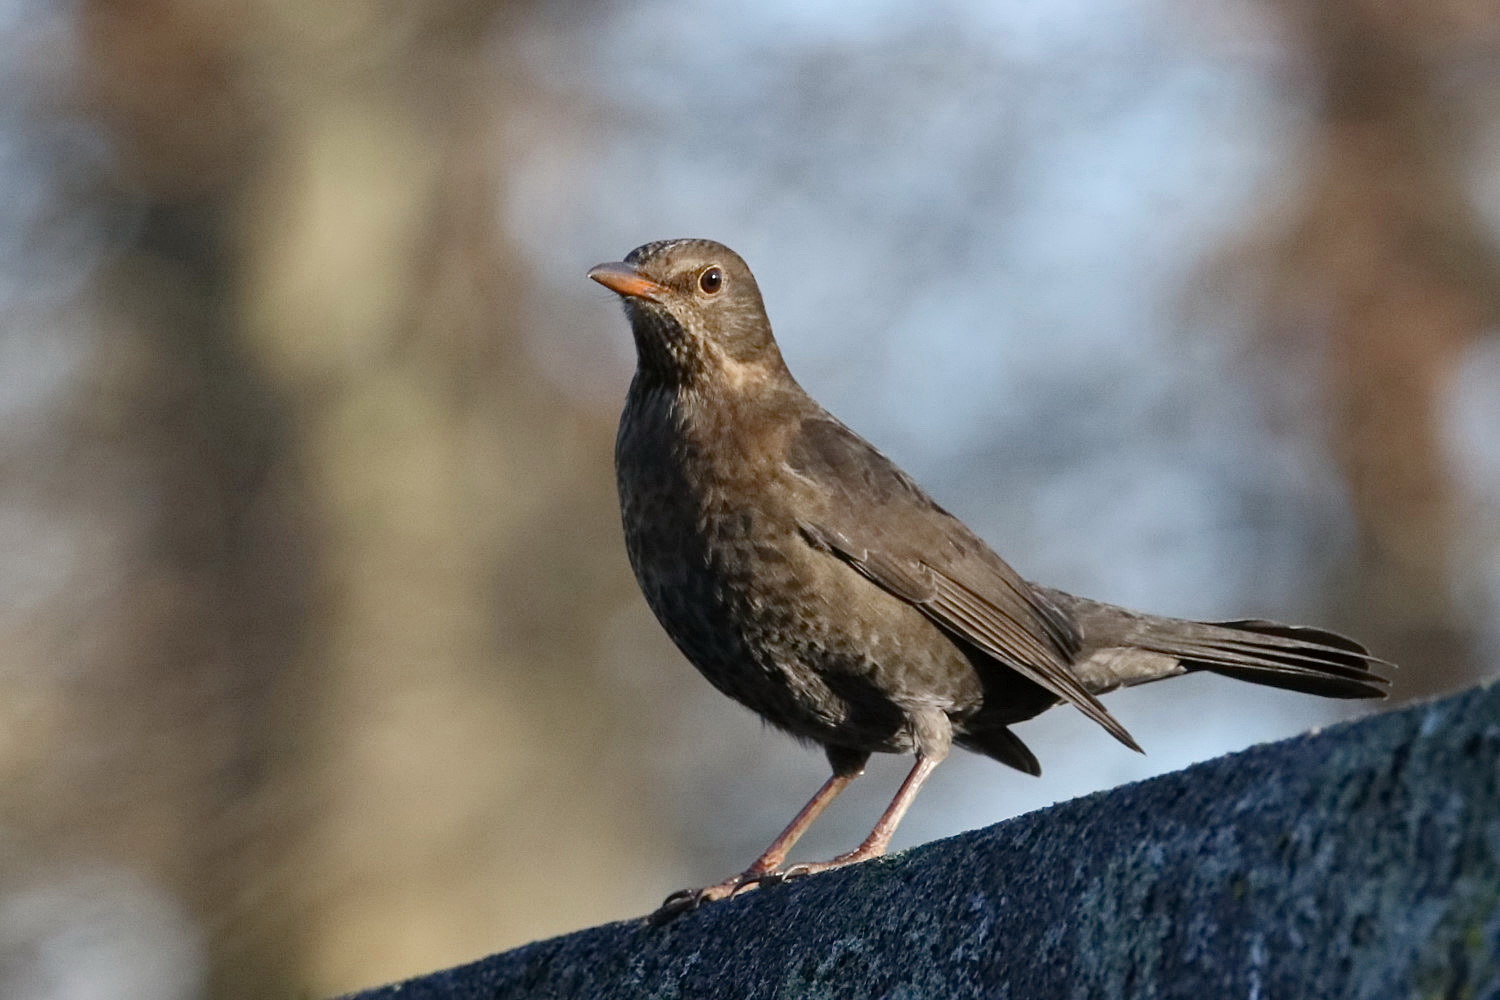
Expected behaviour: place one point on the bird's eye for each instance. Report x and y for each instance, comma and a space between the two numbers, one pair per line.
711, 280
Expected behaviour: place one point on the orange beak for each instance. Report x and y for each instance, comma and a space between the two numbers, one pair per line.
622, 279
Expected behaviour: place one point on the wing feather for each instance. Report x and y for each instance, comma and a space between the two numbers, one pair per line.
889, 531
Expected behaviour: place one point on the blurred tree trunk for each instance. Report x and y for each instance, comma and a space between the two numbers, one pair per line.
471, 793
178, 730
337, 699
1385, 259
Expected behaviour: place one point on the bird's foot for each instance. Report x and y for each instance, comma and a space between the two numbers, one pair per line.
686, 900
805, 868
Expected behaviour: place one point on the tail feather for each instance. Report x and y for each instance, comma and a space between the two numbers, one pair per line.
1125, 648
1294, 657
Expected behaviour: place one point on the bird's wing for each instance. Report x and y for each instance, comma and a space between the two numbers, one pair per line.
884, 526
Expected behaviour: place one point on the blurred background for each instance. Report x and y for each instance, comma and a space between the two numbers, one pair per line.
322, 664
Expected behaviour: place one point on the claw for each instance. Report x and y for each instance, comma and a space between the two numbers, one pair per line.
781, 875
686, 900
741, 885
675, 905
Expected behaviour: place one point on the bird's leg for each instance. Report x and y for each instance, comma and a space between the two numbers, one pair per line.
879, 839
847, 765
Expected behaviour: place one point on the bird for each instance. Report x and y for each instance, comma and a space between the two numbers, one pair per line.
809, 578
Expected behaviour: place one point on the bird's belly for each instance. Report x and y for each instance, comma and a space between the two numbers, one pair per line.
793, 633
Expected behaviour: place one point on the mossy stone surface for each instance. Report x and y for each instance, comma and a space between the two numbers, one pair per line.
1361, 862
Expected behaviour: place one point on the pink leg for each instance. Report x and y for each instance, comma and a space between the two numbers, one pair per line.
765, 867
879, 839
769, 860
772, 857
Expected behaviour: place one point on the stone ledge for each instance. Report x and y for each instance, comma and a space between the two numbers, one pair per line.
1359, 862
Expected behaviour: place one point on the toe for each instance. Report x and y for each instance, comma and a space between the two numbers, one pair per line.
673, 907
684, 900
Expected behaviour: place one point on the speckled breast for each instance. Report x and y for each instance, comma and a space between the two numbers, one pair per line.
730, 584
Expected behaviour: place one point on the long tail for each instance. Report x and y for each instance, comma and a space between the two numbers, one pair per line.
1294, 657
1123, 648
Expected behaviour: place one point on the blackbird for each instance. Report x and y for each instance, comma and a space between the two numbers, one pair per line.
810, 579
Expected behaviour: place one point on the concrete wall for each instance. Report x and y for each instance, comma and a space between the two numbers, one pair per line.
1361, 862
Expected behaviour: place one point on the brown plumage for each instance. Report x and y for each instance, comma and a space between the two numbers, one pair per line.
810, 579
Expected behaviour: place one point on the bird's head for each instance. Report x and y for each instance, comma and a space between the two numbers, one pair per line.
695, 310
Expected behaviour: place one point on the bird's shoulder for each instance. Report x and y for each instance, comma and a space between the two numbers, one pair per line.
871, 497
880, 520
